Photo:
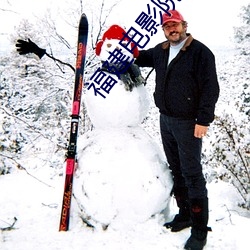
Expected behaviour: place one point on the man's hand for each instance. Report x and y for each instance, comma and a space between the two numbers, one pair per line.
24, 47
200, 131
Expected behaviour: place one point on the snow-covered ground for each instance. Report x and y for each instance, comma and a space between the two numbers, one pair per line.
37, 208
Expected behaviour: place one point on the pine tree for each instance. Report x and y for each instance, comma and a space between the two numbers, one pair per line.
242, 33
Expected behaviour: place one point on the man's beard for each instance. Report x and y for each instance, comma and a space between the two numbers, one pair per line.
182, 36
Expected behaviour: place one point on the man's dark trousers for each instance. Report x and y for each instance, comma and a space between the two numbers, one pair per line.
183, 152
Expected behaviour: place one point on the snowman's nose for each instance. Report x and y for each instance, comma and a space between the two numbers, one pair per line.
109, 45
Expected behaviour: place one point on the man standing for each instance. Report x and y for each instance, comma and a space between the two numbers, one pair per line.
186, 93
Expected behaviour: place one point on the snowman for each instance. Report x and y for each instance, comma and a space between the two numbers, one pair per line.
122, 178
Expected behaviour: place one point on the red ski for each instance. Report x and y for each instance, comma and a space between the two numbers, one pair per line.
71, 153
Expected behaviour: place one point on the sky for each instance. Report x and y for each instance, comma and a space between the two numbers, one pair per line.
211, 22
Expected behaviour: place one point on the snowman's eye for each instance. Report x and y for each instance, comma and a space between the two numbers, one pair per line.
109, 45
124, 44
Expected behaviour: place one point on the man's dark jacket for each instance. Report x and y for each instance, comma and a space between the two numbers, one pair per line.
187, 88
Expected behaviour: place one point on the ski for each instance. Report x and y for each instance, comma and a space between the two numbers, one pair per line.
71, 152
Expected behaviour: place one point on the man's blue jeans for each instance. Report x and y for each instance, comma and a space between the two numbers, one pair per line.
183, 152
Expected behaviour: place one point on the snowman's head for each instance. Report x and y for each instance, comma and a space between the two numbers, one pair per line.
110, 42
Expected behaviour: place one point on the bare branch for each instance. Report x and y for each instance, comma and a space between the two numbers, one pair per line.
8, 11
19, 166
57, 60
31, 127
10, 227
102, 23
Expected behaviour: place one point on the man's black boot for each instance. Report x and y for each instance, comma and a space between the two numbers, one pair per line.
199, 215
181, 220
197, 240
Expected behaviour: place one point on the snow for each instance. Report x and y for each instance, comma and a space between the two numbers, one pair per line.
122, 177
37, 208
120, 108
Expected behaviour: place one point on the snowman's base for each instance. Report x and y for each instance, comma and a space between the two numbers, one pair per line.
122, 177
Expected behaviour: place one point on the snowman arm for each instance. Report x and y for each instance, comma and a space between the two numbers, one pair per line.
26, 47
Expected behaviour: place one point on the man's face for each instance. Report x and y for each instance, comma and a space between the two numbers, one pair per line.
174, 32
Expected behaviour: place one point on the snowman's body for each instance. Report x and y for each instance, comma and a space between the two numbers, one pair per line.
122, 177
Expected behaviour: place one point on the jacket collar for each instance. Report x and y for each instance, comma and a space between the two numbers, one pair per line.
166, 44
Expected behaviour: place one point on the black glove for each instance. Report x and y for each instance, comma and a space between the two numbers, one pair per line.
24, 47
135, 75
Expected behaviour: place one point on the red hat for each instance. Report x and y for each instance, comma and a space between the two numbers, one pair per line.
174, 16
114, 32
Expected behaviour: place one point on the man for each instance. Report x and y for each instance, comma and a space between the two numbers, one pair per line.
186, 93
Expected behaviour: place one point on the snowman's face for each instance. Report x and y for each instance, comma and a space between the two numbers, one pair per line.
110, 46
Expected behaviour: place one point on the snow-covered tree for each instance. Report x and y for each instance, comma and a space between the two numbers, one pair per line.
36, 95
34, 104
230, 154
242, 33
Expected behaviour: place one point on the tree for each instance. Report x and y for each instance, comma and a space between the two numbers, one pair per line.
242, 33
35, 95
34, 106
230, 152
